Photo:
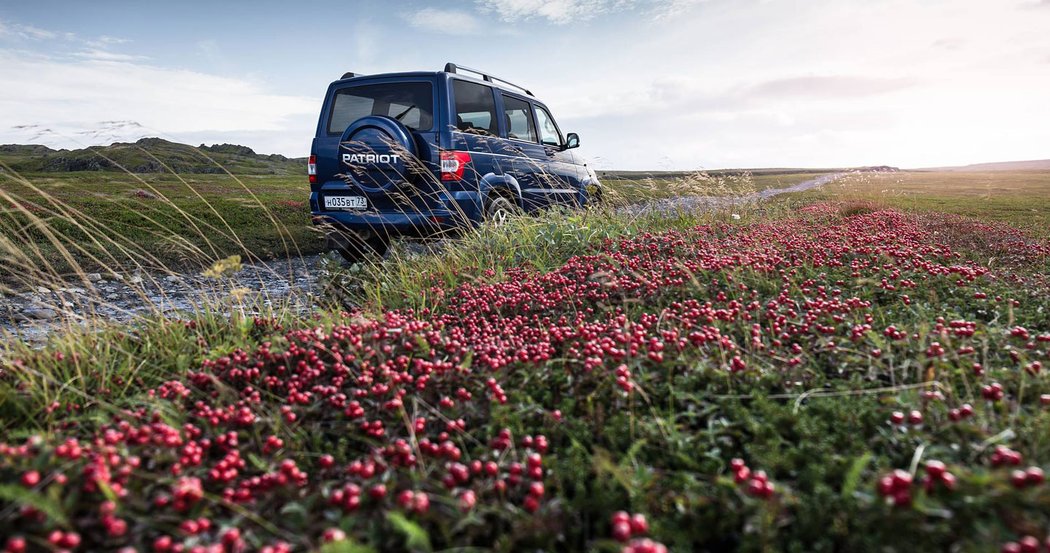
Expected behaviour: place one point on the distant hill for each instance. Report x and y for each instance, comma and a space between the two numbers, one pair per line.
150, 155
1034, 165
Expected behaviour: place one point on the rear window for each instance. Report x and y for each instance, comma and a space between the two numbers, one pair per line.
411, 103
475, 108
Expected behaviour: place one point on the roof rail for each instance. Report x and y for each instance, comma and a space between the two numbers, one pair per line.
350, 75
453, 68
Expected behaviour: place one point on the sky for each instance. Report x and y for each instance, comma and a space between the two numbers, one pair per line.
647, 84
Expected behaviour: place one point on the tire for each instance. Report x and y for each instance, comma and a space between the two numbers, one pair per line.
355, 249
499, 209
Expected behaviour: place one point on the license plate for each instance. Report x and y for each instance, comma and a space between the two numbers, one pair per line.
345, 202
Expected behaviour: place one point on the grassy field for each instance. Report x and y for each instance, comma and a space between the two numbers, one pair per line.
101, 219
1020, 198
806, 377
640, 186
90, 220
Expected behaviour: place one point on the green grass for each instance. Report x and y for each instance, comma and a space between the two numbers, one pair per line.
640, 186
1019, 198
107, 219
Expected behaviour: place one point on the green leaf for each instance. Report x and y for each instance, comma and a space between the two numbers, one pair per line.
849, 484
345, 546
19, 495
416, 538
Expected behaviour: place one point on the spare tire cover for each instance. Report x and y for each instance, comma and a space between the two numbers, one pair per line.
376, 152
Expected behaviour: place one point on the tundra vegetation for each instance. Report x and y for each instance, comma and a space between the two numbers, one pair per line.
830, 371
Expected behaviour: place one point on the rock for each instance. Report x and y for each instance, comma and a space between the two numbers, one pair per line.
135, 280
94, 277
42, 290
37, 314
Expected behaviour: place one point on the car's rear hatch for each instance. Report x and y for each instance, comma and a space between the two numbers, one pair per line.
376, 140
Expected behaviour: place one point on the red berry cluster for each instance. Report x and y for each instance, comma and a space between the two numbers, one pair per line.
896, 488
1027, 544
756, 483
628, 528
937, 474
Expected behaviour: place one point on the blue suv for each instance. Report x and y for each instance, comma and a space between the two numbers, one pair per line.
424, 153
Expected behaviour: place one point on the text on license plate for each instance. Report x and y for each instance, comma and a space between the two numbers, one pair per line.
345, 202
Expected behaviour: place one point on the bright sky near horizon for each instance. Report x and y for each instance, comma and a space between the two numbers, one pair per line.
648, 84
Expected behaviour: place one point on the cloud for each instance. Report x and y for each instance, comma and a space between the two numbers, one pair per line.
105, 55
838, 86
561, 12
60, 102
105, 41
25, 32
453, 22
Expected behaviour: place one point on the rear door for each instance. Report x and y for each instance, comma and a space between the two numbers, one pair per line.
475, 127
526, 159
566, 175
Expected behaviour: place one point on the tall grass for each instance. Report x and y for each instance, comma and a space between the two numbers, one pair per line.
145, 348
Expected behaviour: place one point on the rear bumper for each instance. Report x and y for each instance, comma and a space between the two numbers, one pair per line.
458, 210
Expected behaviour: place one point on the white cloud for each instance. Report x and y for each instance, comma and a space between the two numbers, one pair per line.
25, 32
61, 102
557, 11
453, 22
565, 11
97, 54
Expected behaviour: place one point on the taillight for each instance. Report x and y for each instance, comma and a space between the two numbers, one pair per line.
311, 169
453, 164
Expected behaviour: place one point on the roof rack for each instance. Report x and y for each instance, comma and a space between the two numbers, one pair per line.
453, 68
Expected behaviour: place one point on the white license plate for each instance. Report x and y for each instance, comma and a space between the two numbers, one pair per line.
345, 202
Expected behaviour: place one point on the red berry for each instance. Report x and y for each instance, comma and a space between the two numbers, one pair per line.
16, 544
1029, 544
621, 516
162, 544
621, 531
333, 534
935, 469
638, 524
70, 540
377, 492
1019, 479
1035, 476
531, 504
467, 500
915, 417
1011, 547
897, 417
30, 478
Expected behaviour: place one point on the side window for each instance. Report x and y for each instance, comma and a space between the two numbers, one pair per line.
475, 108
518, 114
548, 130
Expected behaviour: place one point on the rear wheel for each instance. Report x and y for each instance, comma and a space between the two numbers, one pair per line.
499, 209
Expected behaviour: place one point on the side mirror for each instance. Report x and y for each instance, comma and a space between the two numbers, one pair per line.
572, 140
